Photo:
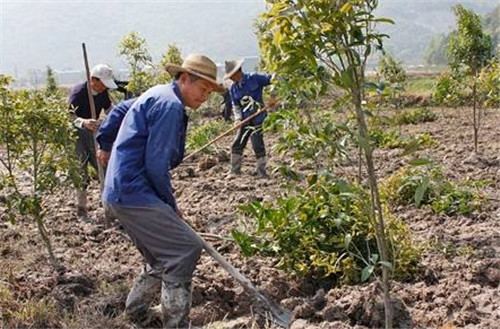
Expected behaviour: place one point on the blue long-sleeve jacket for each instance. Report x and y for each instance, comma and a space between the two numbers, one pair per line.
108, 130
250, 85
150, 142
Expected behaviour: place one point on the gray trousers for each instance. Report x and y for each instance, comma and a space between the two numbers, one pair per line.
85, 151
256, 136
163, 239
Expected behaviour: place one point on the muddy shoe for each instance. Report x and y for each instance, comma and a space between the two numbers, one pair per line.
261, 168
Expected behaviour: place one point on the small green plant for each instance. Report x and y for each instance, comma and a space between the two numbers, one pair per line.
391, 139
134, 48
416, 116
325, 230
171, 55
489, 85
450, 89
51, 84
38, 158
201, 135
393, 77
317, 141
426, 185
470, 50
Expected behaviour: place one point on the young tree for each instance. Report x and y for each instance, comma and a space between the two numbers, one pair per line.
36, 134
472, 49
51, 85
171, 55
394, 79
139, 61
311, 43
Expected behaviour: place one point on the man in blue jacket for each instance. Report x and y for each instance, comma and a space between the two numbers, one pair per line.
138, 188
246, 95
108, 130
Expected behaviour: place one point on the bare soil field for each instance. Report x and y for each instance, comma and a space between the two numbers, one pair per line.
456, 286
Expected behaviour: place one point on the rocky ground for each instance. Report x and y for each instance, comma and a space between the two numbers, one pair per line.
456, 286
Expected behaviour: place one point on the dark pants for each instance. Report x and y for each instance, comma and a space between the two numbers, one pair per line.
256, 136
228, 106
85, 150
162, 238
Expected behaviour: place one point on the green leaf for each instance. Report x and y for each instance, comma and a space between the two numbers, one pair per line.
421, 189
386, 264
383, 20
420, 162
347, 241
346, 7
366, 272
411, 147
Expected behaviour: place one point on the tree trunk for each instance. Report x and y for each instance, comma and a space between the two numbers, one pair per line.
377, 213
475, 112
52, 258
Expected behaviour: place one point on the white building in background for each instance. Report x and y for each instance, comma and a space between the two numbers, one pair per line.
68, 77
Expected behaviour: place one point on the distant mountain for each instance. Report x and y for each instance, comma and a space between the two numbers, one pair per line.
416, 22
35, 34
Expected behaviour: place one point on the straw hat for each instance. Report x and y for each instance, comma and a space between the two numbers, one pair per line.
198, 65
231, 67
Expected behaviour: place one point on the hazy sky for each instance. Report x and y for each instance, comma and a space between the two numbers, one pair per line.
35, 34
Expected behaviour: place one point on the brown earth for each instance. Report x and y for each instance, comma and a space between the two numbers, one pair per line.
457, 284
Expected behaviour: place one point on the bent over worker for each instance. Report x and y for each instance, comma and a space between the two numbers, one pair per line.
138, 188
108, 130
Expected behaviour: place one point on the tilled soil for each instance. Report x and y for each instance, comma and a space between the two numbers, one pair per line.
456, 286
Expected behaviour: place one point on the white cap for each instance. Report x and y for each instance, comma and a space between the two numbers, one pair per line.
105, 74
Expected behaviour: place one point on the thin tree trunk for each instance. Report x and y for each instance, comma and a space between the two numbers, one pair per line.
377, 214
360, 164
52, 258
476, 124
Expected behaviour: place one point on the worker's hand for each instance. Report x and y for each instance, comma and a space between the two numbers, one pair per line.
237, 122
103, 157
91, 125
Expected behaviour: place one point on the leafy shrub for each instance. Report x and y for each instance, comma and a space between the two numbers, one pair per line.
391, 139
451, 89
201, 135
38, 138
309, 140
415, 116
325, 230
428, 186
489, 85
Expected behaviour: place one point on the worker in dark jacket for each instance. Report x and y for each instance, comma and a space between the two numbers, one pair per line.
101, 80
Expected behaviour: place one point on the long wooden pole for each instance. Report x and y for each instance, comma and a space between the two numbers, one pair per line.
93, 113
